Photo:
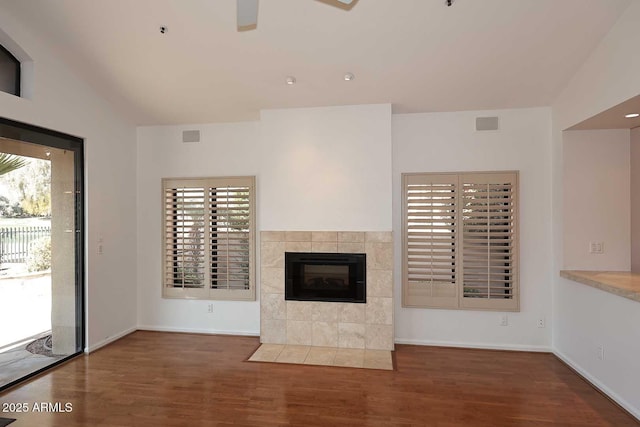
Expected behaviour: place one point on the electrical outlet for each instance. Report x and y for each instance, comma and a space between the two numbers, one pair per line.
210, 308
541, 322
596, 247
504, 320
600, 352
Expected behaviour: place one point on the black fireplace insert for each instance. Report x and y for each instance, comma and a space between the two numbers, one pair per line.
325, 277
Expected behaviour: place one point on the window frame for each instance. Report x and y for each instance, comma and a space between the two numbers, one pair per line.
17, 71
415, 295
207, 291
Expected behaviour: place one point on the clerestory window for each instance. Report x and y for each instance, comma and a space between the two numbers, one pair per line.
9, 72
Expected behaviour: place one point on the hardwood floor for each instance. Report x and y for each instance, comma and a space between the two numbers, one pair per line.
165, 379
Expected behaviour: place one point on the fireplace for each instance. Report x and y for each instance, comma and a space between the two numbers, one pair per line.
325, 277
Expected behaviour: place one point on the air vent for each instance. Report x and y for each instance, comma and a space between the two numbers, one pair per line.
487, 123
190, 136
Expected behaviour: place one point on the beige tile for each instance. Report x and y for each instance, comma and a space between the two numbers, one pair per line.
380, 283
272, 254
379, 311
351, 236
298, 246
351, 313
350, 248
324, 334
378, 359
325, 311
272, 307
272, 280
267, 353
377, 355
299, 332
351, 335
297, 236
379, 256
299, 310
321, 356
330, 247
293, 354
349, 357
324, 236
379, 337
378, 236
272, 236
273, 331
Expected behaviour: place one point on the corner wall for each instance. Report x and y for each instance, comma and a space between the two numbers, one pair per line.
60, 100
448, 142
585, 317
596, 188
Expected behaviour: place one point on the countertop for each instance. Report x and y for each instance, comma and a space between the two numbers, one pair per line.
623, 283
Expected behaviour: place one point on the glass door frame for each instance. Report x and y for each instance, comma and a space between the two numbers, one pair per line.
24, 132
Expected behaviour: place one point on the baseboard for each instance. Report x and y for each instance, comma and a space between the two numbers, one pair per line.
197, 331
634, 412
109, 340
509, 347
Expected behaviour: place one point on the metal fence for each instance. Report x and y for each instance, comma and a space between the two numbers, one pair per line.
15, 242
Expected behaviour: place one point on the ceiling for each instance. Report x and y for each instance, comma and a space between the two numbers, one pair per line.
418, 55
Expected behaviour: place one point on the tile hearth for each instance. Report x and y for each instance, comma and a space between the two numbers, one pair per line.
323, 356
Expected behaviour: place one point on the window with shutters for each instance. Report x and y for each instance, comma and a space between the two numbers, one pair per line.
209, 238
9, 72
460, 240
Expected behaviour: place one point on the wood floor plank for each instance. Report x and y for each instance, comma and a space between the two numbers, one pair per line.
167, 379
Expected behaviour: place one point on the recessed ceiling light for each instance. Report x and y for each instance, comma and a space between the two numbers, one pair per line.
291, 80
349, 76
632, 115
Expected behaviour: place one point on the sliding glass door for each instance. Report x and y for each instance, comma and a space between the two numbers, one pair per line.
41, 250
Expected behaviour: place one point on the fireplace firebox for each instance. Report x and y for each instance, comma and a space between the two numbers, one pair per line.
325, 277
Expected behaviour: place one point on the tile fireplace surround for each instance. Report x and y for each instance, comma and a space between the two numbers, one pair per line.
327, 324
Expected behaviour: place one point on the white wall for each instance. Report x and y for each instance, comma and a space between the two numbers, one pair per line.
62, 101
592, 318
448, 142
596, 188
224, 150
610, 75
634, 155
316, 169
583, 315
326, 168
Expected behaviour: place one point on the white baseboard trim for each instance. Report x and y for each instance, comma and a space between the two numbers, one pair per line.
197, 331
510, 347
597, 384
108, 340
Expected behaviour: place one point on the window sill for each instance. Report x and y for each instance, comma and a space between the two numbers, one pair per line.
622, 283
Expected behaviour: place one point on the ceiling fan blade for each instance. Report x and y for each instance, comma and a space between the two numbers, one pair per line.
247, 14
342, 4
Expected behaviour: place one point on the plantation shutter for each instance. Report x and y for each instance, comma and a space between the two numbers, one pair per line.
430, 240
184, 251
230, 237
489, 241
209, 238
460, 240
